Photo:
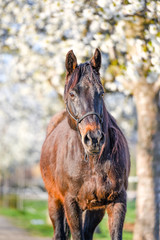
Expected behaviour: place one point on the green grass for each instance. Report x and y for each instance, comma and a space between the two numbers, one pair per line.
38, 210
32, 210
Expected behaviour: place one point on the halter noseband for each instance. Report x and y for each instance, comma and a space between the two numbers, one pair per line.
78, 120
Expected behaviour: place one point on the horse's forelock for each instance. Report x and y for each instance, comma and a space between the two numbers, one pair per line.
81, 70
73, 79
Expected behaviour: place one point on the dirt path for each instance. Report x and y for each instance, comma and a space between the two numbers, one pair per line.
9, 231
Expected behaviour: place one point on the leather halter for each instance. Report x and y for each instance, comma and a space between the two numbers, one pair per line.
78, 120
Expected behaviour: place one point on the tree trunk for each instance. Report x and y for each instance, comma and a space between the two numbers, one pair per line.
148, 163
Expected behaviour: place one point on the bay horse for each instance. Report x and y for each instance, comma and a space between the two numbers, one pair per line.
85, 159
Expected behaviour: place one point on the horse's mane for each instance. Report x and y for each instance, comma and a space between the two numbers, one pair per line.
118, 151
118, 144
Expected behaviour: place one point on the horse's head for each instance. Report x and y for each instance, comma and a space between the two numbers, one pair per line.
84, 100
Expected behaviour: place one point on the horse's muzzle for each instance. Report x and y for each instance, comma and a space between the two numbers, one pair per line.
93, 141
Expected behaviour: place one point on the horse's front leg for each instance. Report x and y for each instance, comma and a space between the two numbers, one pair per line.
74, 217
116, 213
56, 213
91, 221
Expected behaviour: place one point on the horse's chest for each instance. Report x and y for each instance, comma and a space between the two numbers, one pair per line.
98, 190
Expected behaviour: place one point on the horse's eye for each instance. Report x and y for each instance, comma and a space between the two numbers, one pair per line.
72, 94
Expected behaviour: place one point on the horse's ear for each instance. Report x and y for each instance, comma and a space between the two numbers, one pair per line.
71, 62
96, 60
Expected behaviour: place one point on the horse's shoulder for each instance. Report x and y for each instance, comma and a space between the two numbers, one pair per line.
55, 120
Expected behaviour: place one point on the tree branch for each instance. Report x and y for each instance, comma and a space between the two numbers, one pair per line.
58, 90
128, 85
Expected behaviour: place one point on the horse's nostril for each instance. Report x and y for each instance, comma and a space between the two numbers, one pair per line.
87, 139
94, 138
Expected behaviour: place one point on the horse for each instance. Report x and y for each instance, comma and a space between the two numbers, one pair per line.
85, 160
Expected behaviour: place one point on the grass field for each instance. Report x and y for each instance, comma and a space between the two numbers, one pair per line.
34, 219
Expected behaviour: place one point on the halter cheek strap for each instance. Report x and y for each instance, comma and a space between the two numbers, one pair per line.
78, 120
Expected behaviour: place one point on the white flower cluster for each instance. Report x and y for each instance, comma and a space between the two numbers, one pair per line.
41, 33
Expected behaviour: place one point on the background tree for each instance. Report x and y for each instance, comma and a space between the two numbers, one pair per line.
39, 33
